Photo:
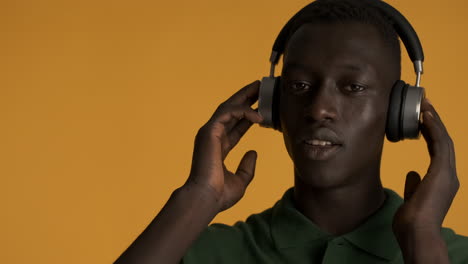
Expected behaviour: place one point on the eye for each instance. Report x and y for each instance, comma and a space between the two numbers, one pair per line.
300, 86
354, 87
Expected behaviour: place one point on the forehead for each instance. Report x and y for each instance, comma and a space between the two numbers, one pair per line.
323, 44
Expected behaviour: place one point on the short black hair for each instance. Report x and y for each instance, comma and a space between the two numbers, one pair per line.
362, 11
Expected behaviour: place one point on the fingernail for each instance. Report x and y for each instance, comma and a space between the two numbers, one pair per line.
260, 117
428, 113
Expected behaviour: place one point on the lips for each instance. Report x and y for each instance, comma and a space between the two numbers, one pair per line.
320, 144
320, 152
321, 137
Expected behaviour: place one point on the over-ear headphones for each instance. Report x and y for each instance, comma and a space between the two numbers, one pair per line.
403, 117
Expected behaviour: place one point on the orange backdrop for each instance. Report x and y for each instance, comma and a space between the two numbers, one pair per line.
100, 102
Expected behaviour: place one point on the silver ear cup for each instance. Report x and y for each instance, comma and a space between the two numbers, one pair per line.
265, 101
411, 112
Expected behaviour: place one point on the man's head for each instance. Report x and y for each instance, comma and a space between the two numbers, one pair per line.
339, 65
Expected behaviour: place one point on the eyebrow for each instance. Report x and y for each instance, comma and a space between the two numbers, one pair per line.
294, 66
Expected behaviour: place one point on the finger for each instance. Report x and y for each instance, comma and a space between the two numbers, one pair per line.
243, 115
243, 122
247, 95
412, 181
233, 114
235, 135
426, 106
238, 131
246, 168
439, 143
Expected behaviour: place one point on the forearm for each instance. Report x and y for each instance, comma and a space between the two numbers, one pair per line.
175, 228
424, 247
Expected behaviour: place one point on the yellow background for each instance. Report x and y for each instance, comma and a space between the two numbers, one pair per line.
100, 102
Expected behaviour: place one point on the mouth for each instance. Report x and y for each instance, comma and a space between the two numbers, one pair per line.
318, 142
320, 149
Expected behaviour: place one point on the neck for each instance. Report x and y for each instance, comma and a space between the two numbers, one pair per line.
339, 210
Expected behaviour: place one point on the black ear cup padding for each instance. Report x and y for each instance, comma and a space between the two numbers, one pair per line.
393, 129
276, 104
401, 133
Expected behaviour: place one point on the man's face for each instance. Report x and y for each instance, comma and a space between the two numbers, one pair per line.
336, 82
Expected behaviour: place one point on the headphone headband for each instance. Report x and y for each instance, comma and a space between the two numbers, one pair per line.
402, 26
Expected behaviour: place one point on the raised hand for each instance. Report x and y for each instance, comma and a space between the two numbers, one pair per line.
210, 188
418, 221
214, 141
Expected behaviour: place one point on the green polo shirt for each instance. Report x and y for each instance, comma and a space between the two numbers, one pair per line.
282, 234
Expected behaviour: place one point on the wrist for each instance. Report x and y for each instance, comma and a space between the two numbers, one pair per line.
200, 196
423, 246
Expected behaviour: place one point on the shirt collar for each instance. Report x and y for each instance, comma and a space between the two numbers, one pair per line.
290, 228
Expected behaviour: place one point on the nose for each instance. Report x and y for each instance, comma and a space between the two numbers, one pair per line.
322, 105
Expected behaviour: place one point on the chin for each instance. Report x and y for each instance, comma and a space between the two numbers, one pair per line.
320, 176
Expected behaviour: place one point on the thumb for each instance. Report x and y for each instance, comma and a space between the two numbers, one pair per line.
246, 168
412, 181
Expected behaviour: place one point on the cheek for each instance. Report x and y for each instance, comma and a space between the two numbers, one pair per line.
288, 120
286, 130
287, 144
366, 124
286, 117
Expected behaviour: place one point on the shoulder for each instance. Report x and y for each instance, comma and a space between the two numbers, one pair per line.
256, 227
457, 246
221, 243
